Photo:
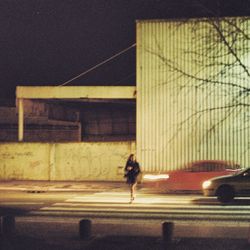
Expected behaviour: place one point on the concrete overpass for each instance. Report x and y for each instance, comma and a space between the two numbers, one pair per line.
69, 93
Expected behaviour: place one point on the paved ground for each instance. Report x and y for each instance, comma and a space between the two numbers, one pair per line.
74, 186
45, 186
109, 242
65, 236
40, 237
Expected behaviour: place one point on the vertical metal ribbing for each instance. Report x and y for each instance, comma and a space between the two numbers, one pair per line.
150, 96
157, 112
162, 106
160, 147
138, 94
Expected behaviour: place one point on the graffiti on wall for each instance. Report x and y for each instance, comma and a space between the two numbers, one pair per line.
93, 161
63, 161
23, 161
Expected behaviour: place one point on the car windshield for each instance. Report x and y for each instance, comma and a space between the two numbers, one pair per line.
243, 171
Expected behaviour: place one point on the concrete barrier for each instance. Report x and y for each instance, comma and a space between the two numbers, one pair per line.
85, 229
167, 234
79, 161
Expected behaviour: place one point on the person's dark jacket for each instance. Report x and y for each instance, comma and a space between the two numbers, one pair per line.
132, 170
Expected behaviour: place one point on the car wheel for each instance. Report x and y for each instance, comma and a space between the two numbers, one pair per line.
225, 194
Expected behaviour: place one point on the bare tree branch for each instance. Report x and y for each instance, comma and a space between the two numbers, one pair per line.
230, 48
177, 69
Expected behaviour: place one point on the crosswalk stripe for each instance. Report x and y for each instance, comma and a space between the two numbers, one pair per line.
151, 206
108, 201
125, 194
113, 199
124, 197
73, 208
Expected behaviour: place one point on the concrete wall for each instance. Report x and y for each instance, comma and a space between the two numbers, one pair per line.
64, 161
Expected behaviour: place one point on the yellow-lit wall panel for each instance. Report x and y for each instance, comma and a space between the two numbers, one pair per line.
64, 161
191, 77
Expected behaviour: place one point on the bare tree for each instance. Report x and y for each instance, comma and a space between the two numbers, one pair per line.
218, 50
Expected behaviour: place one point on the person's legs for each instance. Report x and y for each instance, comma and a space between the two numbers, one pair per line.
132, 190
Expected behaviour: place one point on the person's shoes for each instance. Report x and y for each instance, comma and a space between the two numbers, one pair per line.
132, 199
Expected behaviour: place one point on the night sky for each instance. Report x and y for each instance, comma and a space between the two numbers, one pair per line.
47, 42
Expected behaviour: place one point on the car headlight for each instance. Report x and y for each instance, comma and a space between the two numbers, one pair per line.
206, 184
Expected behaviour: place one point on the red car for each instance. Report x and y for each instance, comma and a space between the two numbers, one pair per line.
191, 176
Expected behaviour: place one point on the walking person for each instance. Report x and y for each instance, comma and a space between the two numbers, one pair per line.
132, 170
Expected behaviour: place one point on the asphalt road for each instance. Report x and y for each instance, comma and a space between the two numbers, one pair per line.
27, 201
115, 205
55, 216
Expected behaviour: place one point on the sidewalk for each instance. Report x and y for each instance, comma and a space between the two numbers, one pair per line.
76, 186
65, 236
57, 186
121, 243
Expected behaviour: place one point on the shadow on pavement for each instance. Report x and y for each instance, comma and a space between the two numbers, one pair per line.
19, 242
125, 243
26, 243
153, 243
11, 211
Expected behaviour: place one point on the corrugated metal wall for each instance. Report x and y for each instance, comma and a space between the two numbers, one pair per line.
193, 88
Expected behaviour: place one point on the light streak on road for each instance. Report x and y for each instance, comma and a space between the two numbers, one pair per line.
124, 198
153, 177
13, 203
